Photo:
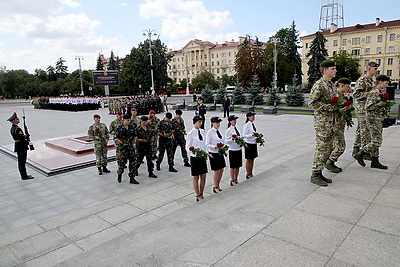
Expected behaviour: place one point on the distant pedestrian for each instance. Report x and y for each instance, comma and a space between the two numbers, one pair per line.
226, 104
98, 132
201, 110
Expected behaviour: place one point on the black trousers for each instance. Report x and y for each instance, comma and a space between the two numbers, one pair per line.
21, 156
145, 152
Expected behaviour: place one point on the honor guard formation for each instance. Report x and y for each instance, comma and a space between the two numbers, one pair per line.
73, 103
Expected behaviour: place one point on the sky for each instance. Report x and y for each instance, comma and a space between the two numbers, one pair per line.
36, 33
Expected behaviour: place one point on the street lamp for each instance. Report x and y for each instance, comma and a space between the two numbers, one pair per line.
149, 33
275, 41
187, 71
80, 72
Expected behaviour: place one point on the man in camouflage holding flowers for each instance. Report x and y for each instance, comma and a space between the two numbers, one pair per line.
153, 136
165, 142
376, 107
178, 125
320, 101
98, 132
143, 137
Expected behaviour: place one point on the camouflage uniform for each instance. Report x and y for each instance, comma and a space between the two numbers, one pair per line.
127, 135
153, 123
363, 85
143, 148
113, 126
321, 96
179, 138
338, 142
165, 142
99, 134
374, 114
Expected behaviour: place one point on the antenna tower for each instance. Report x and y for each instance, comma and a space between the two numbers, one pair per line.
331, 12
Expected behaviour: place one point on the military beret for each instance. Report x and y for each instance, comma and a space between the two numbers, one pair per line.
382, 78
96, 116
13, 117
197, 118
344, 81
178, 112
200, 98
250, 113
216, 119
327, 64
119, 113
232, 117
133, 109
152, 112
144, 118
373, 64
168, 115
127, 117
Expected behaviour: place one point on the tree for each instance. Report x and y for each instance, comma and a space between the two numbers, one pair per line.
255, 92
112, 63
294, 94
207, 95
99, 64
318, 53
61, 69
219, 97
203, 79
228, 80
273, 97
17, 83
238, 96
51, 73
346, 66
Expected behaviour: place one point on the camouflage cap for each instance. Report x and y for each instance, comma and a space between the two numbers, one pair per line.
344, 81
382, 78
373, 64
327, 64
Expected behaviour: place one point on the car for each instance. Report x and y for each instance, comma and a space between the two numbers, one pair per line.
352, 86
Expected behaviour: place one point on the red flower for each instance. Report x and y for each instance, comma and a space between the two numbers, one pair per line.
191, 148
97, 129
220, 144
255, 134
160, 131
144, 135
122, 140
347, 103
234, 136
386, 95
334, 100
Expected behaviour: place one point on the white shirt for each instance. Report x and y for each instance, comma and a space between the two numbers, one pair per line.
229, 140
212, 140
193, 140
248, 132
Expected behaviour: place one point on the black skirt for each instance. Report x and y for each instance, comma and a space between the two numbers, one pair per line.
235, 159
199, 166
218, 162
251, 151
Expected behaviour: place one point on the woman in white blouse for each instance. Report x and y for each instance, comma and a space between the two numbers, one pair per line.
196, 140
235, 151
214, 141
250, 152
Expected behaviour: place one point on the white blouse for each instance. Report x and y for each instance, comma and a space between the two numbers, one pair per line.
193, 140
248, 133
229, 140
212, 140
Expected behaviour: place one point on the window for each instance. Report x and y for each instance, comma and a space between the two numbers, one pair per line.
378, 61
391, 49
390, 61
216, 55
174, 59
368, 39
355, 52
378, 72
334, 53
379, 50
306, 45
327, 44
355, 40
367, 51
217, 63
212, 63
366, 62
205, 56
229, 54
344, 42
389, 73
380, 38
391, 37
217, 70
212, 55
335, 42
205, 64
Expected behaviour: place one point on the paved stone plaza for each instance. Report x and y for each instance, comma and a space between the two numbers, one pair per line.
278, 218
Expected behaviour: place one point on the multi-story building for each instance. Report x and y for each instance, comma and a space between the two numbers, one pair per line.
198, 56
379, 42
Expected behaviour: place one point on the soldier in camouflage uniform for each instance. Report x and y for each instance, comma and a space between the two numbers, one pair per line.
134, 118
178, 126
113, 126
125, 136
339, 142
165, 142
321, 96
363, 85
152, 126
375, 112
98, 132
143, 145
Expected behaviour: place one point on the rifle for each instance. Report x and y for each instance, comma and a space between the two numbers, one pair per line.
31, 147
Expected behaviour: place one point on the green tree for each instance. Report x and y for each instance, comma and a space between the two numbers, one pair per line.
346, 66
273, 97
203, 79
208, 95
61, 69
17, 83
99, 63
255, 96
51, 73
238, 96
283, 68
294, 94
318, 53
112, 63
219, 97
228, 80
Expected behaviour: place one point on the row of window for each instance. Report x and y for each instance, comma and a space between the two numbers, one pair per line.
217, 55
379, 61
194, 72
217, 63
367, 51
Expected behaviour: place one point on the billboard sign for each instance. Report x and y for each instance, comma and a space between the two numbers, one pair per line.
105, 77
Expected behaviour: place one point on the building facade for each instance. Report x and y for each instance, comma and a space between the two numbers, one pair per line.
198, 56
379, 42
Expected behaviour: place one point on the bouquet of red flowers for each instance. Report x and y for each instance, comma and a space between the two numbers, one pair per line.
126, 144
385, 98
164, 134
259, 138
198, 152
339, 110
239, 140
222, 148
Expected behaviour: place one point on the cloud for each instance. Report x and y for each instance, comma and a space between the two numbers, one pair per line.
124, 4
35, 7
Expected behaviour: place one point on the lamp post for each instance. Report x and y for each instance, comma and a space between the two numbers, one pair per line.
275, 41
80, 72
149, 33
185, 52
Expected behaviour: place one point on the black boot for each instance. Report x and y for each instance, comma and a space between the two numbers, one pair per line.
187, 164
330, 165
356, 149
376, 164
317, 179
152, 175
100, 171
172, 169
105, 170
119, 178
360, 157
28, 177
158, 166
133, 181
367, 156
329, 181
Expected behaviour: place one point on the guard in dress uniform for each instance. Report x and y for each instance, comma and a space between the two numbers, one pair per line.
201, 110
20, 146
178, 125
144, 146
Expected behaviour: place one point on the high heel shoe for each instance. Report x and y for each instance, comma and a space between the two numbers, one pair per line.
233, 182
215, 191
248, 176
198, 199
